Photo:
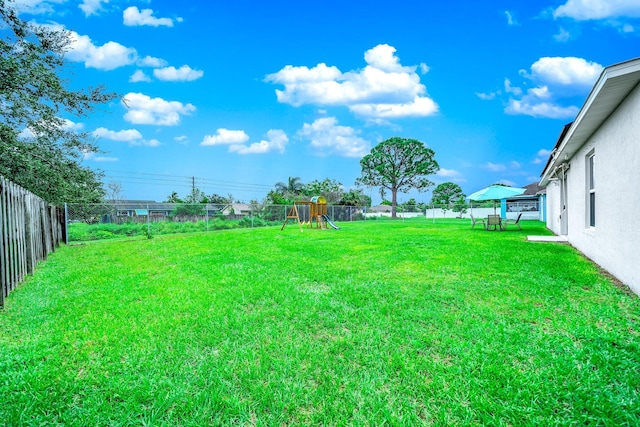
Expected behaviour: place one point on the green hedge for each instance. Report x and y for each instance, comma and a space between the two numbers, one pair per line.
81, 232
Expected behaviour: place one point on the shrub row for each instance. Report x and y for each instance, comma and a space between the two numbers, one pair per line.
79, 232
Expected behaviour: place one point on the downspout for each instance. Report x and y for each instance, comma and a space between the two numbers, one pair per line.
561, 172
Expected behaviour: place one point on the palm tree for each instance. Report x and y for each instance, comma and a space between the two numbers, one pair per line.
294, 186
173, 198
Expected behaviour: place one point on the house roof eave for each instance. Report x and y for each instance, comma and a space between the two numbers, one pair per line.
613, 86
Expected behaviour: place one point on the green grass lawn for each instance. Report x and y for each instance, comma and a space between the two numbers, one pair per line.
378, 323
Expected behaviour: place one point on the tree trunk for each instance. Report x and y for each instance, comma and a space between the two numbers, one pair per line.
394, 198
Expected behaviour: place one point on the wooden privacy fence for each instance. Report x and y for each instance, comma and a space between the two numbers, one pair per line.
30, 228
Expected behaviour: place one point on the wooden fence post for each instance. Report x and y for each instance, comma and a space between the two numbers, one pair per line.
30, 228
4, 277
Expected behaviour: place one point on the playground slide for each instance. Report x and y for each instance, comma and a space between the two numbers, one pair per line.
326, 218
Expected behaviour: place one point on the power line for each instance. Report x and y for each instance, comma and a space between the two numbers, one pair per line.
204, 181
180, 181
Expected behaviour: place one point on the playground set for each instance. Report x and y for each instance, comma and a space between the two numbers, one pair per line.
317, 212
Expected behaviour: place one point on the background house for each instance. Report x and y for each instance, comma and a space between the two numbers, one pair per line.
530, 204
236, 210
379, 211
592, 179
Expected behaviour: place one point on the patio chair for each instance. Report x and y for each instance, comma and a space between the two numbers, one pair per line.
516, 221
475, 221
494, 221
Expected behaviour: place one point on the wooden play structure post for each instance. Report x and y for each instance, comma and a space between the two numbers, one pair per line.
317, 211
293, 214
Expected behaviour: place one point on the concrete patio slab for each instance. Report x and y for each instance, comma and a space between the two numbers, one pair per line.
547, 238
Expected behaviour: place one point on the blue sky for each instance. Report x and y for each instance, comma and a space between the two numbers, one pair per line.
243, 94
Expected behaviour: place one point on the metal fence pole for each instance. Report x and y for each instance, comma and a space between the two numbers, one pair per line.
66, 224
148, 222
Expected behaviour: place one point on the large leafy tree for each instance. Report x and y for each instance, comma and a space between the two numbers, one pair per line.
39, 149
192, 205
276, 198
446, 195
217, 199
412, 205
398, 165
328, 188
355, 197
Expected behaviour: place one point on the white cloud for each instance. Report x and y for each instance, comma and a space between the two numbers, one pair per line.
127, 135
151, 143
71, 125
142, 109
569, 71
562, 36
558, 80
541, 156
93, 157
131, 136
276, 141
511, 20
182, 139
132, 17
66, 125
494, 167
382, 57
150, 61
225, 137
382, 89
109, 56
447, 173
182, 74
26, 133
487, 96
450, 174
36, 7
534, 108
328, 138
91, 7
508, 88
583, 10
418, 107
614, 13
139, 76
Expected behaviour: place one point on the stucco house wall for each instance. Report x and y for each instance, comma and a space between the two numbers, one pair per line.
614, 241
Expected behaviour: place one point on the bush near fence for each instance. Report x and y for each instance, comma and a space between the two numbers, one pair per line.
30, 228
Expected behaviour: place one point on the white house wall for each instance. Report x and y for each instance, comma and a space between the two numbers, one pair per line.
614, 243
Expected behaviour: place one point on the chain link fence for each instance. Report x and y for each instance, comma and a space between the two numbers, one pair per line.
123, 219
